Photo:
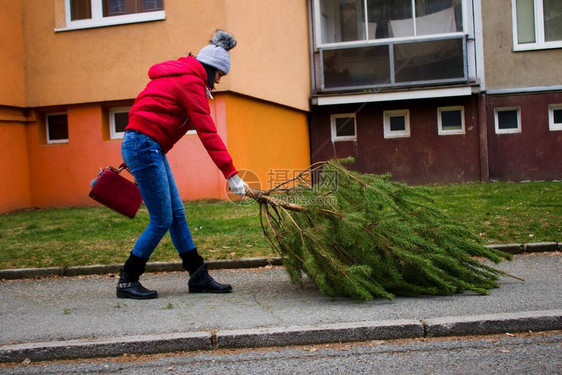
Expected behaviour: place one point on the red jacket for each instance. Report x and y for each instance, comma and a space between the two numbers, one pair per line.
174, 101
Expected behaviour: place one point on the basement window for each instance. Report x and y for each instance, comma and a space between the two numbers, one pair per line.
344, 127
507, 120
118, 120
450, 120
397, 124
84, 14
555, 117
57, 128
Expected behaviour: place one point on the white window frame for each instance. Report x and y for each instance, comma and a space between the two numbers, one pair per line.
318, 26
507, 131
440, 129
394, 133
54, 141
540, 42
335, 137
552, 126
98, 20
113, 133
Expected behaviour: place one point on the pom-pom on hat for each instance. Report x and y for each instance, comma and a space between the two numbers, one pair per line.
216, 54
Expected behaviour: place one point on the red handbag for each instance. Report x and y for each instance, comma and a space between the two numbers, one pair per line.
116, 192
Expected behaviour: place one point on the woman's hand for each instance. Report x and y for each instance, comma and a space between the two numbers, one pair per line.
237, 185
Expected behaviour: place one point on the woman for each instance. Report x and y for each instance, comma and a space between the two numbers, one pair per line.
174, 101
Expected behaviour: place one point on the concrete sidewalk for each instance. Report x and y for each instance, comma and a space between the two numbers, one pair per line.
77, 317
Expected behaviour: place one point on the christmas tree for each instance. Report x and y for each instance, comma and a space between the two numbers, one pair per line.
366, 236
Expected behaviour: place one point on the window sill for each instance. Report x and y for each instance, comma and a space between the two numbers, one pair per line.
451, 132
537, 47
114, 21
511, 131
398, 135
58, 142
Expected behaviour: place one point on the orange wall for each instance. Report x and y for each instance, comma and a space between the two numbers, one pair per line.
110, 63
261, 137
12, 89
83, 71
61, 173
266, 138
271, 61
15, 184
107, 63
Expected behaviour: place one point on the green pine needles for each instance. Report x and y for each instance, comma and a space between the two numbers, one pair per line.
365, 236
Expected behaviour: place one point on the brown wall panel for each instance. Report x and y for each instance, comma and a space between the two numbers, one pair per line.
533, 154
425, 157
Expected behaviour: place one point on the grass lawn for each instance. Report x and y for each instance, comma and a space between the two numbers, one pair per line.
499, 212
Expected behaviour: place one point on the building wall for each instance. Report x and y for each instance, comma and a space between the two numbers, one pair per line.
267, 139
507, 69
261, 136
15, 182
424, 157
110, 63
15, 185
533, 154
85, 72
12, 89
271, 61
61, 173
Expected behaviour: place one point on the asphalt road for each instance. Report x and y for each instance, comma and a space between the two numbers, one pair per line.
536, 353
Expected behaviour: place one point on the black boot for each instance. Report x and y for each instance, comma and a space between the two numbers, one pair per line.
200, 281
129, 285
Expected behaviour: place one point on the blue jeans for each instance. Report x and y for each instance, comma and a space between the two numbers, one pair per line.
145, 160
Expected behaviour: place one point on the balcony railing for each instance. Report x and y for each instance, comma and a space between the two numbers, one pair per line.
394, 63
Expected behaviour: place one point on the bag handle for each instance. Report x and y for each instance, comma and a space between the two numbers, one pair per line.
118, 170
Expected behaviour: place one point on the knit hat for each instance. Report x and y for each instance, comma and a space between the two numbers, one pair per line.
216, 54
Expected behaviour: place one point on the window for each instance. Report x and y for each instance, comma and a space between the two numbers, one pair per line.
356, 20
555, 117
450, 120
397, 124
57, 128
82, 14
118, 120
537, 24
507, 120
378, 43
344, 127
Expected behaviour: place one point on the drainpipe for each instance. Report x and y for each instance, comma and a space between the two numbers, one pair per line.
483, 138
311, 46
312, 78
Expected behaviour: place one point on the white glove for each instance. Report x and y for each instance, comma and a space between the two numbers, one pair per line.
237, 185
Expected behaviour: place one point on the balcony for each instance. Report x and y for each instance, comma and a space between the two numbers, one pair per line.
393, 64
374, 45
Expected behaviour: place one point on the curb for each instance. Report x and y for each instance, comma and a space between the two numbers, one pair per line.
76, 349
548, 320
306, 335
31, 273
267, 337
